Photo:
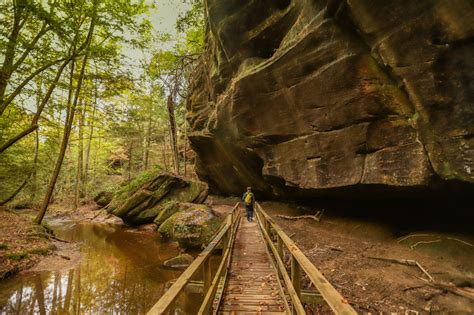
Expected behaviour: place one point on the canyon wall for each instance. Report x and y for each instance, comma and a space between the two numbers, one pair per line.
306, 98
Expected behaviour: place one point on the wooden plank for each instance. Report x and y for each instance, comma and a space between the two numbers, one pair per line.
218, 295
252, 284
332, 297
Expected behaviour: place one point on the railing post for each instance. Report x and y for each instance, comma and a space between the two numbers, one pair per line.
280, 246
296, 276
225, 239
207, 274
171, 308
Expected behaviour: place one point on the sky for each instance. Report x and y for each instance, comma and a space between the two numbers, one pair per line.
163, 19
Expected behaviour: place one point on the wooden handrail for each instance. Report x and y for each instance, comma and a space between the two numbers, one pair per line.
299, 261
223, 268
166, 301
295, 299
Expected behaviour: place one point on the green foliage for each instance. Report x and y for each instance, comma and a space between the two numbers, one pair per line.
125, 128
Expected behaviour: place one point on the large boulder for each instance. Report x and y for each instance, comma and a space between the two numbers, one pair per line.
104, 198
192, 226
149, 199
300, 97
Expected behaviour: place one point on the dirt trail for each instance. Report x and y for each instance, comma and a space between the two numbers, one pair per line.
341, 246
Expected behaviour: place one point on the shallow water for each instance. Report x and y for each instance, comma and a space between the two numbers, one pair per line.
120, 272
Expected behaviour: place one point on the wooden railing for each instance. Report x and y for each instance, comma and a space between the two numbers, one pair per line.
299, 263
226, 236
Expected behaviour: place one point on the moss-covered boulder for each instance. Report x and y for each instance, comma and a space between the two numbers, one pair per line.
192, 227
104, 198
148, 200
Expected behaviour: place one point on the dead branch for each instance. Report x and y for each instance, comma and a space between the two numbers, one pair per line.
460, 241
464, 292
412, 235
414, 288
424, 242
316, 217
408, 262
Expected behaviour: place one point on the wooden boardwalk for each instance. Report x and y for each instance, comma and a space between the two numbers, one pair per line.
252, 286
246, 281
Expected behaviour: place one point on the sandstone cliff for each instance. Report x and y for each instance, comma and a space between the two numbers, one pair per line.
306, 97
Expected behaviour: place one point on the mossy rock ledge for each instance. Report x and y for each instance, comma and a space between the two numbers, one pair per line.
158, 194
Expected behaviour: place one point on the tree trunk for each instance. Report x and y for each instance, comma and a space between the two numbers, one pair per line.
67, 298
130, 157
80, 155
89, 143
185, 146
146, 149
34, 123
25, 182
34, 181
15, 193
173, 133
165, 160
68, 123
39, 292
7, 67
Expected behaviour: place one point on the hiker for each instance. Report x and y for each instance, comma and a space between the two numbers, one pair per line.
249, 200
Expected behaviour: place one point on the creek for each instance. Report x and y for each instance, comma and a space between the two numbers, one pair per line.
120, 272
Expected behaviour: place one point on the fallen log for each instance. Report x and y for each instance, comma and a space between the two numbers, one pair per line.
316, 217
464, 292
408, 262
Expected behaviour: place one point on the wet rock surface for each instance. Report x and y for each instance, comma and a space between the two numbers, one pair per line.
304, 98
181, 261
192, 226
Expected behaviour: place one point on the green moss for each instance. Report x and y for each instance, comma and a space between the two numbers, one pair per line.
16, 256
46, 227
126, 189
166, 211
3, 246
40, 250
166, 228
192, 228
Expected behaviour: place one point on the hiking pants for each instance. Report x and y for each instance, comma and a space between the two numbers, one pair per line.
249, 210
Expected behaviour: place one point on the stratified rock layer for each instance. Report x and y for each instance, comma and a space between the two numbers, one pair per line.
160, 194
307, 97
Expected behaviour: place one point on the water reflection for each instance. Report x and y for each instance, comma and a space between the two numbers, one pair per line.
120, 273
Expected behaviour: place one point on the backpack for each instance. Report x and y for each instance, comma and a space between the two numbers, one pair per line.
248, 198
